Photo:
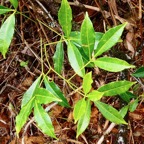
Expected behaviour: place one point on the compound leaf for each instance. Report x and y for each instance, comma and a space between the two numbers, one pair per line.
84, 120
6, 34
115, 88
109, 39
43, 120
112, 64
75, 59
65, 17
110, 113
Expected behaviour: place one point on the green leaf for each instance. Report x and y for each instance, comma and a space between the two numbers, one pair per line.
22, 117
112, 64
133, 105
110, 113
44, 96
55, 90
87, 36
123, 111
30, 92
24, 63
75, 59
115, 88
6, 34
14, 3
98, 36
127, 96
95, 95
79, 109
65, 17
87, 81
84, 120
43, 120
58, 57
4, 9
139, 73
109, 39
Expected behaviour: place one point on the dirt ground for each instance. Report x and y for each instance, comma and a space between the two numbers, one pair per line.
38, 19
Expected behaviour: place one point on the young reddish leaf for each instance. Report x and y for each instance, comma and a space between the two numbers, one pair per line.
87, 36
112, 64
110, 113
75, 59
95, 95
87, 81
22, 117
115, 88
79, 109
65, 17
43, 120
84, 120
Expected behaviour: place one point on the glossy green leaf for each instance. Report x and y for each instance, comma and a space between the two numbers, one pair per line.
75, 36
123, 111
87, 36
110, 113
55, 90
43, 120
109, 39
30, 92
115, 88
6, 34
23, 115
95, 95
79, 109
112, 64
65, 17
4, 9
58, 57
133, 105
98, 36
84, 120
139, 73
44, 96
14, 3
75, 59
87, 81
127, 96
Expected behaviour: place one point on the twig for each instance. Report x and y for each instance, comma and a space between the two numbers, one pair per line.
112, 125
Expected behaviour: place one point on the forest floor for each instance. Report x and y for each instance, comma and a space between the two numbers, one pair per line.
39, 23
